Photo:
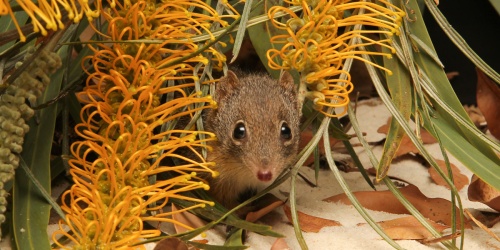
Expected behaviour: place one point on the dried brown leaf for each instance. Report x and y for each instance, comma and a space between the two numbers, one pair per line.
406, 143
481, 225
280, 244
171, 244
482, 192
265, 205
408, 228
435, 209
305, 137
309, 223
188, 219
459, 179
488, 101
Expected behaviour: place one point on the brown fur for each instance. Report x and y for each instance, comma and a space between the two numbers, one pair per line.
263, 104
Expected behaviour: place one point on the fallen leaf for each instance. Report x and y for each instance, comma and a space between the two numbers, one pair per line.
265, 205
280, 244
482, 192
305, 137
171, 244
446, 237
406, 143
488, 218
409, 228
481, 225
488, 101
435, 209
459, 179
309, 223
186, 218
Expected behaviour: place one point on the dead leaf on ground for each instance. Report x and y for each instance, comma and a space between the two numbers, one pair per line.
488, 101
481, 225
409, 228
459, 179
187, 219
280, 244
305, 137
406, 143
171, 244
435, 209
265, 205
482, 192
309, 223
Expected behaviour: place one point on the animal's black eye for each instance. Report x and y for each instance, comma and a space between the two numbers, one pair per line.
239, 131
286, 132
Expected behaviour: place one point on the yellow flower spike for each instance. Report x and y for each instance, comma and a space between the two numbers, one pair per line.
121, 113
315, 48
50, 13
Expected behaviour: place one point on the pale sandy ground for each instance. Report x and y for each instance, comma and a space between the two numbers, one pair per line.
350, 235
371, 114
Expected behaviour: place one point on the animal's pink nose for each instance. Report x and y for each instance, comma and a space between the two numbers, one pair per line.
265, 175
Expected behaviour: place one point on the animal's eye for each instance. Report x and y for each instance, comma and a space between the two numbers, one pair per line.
286, 132
239, 131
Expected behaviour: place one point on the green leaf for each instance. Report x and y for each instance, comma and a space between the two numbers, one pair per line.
235, 239
293, 206
401, 91
461, 44
343, 183
7, 24
215, 214
260, 35
213, 247
241, 29
30, 210
483, 162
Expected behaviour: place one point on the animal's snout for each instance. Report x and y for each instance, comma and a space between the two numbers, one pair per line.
265, 175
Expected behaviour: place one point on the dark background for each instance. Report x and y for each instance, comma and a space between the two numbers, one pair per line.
479, 25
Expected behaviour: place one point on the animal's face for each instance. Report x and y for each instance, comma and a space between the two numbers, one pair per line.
257, 125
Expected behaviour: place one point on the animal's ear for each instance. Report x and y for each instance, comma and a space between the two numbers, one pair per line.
226, 85
286, 81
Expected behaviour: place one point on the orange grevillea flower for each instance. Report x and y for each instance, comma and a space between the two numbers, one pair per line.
47, 14
128, 97
321, 38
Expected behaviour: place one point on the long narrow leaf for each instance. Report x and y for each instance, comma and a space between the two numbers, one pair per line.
347, 190
486, 164
399, 85
461, 44
241, 29
30, 209
261, 33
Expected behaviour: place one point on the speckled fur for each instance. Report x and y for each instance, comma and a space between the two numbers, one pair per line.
263, 104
